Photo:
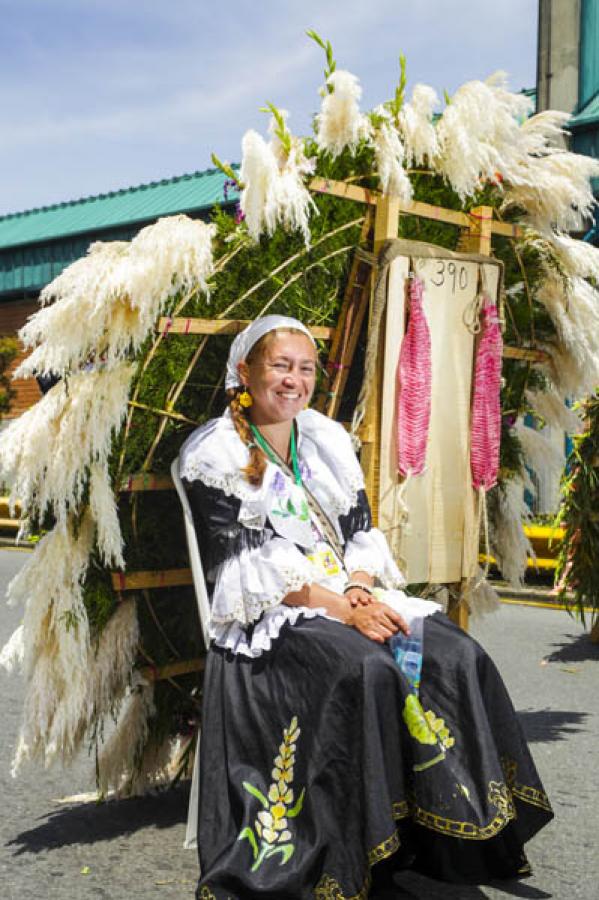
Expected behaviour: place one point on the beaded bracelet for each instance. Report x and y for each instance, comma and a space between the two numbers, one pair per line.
357, 584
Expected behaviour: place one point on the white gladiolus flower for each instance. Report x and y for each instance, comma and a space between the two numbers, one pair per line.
274, 191
46, 451
478, 135
105, 304
340, 123
417, 128
389, 154
511, 548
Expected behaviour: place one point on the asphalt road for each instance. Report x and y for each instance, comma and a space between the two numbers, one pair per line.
133, 849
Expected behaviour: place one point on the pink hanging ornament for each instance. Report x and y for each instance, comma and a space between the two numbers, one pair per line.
414, 387
486, 407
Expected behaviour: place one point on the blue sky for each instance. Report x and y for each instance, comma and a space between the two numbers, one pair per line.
96, 95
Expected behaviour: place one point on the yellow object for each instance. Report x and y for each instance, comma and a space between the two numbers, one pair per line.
326, 561
245, 399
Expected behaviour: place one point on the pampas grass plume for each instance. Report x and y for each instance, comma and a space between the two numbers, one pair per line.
340, 124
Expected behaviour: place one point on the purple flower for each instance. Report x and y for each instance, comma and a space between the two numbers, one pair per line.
305, 471
278, 483
229, 183
239, 214
510, 420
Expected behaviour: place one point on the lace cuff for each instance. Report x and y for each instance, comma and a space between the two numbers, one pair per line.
257, 580
234, 638
368, 551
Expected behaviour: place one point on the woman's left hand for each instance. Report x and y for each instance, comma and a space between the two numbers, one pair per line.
359, 597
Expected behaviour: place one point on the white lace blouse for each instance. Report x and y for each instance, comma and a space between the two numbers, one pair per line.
262, 542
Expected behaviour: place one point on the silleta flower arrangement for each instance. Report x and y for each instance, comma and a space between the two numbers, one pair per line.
86, 461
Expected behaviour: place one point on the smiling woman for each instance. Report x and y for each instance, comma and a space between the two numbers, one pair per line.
333, 736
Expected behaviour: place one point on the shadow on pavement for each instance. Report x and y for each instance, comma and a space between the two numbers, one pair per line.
550, 724
411, 884
579, 648
92, 822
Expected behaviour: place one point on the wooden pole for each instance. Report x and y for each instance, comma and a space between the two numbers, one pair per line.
386, 226
477, 239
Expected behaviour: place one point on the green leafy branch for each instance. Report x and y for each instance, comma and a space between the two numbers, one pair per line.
280, 129
328, 49
227, 170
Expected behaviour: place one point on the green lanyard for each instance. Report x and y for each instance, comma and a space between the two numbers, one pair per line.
274, 458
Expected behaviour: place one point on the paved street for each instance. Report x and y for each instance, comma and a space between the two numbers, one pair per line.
133, 849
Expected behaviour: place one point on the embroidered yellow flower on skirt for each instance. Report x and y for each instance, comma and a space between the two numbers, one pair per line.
271, 834
426, 728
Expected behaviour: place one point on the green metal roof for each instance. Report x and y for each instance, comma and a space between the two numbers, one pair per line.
588, 115
36, 245
146, 202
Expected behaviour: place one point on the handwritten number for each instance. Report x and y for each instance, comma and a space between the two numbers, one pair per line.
458, 275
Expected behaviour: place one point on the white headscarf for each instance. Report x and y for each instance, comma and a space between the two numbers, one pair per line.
246, 339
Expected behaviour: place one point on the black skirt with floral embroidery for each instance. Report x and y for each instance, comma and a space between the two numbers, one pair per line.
317, 762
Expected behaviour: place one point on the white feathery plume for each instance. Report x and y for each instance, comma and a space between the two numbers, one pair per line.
482, 598
56, 642
121, 754
553, 409
157, 766
573, 305
577, 258
555, 190
389, 153
511, 548
540, 454
340, 124
105, 304
11, 655
259, 170
103, 506
544, 132
173, 254
113, 661
274, 191
478, 134
417, 128
46, 451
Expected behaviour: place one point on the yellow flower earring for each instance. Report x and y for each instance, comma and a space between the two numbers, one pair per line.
245, 399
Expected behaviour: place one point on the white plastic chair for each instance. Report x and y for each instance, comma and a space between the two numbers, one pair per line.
199, 583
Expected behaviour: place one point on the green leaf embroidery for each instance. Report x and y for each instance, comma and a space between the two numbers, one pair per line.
291, 507
251, 837
286, 850
256, 793
296, 810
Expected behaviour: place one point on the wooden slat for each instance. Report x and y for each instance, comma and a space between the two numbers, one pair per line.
528, 354
415, 207
135, 581
180, 325
184, 667
346, 191
146, 481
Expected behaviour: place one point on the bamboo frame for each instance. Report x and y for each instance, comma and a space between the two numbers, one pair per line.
414, 207
164, 578
180, 325
171, 670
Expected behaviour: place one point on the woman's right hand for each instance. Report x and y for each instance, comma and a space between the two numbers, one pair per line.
377, 621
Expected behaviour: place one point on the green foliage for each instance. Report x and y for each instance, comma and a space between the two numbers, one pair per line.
9, 350
326, 46
577, 574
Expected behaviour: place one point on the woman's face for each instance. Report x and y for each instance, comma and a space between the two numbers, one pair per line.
281, 379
